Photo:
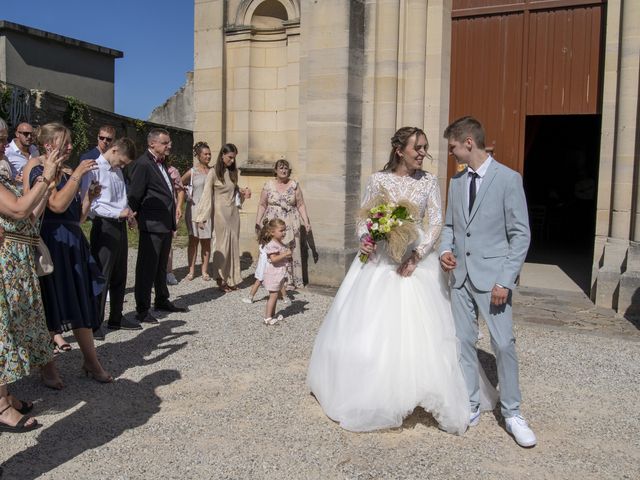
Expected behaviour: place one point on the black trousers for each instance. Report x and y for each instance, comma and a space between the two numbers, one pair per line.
151, 269
110, 248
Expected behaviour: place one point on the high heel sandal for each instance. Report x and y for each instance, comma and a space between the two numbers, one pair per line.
19, 427
106, 378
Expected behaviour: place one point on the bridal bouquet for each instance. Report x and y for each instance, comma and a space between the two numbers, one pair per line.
393, 222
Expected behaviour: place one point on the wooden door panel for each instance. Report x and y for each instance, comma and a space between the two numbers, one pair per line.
487, 79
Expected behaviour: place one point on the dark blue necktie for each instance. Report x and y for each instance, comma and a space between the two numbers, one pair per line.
472, 189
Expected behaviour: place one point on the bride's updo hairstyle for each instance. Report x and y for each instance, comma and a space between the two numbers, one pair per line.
398, 142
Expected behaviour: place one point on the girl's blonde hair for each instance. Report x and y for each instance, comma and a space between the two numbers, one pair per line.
268, 226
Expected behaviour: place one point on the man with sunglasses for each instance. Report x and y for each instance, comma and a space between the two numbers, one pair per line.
20, 150
106, 136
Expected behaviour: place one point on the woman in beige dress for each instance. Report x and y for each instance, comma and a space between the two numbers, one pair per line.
194, 180
222, 195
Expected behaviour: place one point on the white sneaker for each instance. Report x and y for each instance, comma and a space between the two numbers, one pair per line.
286, 300
474, 417
518, 427
247, 300
171, 279
273, 321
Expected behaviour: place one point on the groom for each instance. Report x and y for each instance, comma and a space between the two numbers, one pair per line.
484, 243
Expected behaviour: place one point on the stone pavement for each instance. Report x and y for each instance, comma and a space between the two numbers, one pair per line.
215, 394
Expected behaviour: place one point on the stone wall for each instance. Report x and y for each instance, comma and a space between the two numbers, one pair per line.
38, 107
177, 111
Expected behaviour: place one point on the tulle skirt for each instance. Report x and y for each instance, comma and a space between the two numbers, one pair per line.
388, 345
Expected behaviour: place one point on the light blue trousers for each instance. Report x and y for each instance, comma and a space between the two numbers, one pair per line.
466, 303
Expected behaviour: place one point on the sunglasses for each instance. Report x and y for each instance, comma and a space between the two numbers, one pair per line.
105, 139
26, 134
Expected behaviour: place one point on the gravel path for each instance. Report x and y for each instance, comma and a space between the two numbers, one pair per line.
213, 393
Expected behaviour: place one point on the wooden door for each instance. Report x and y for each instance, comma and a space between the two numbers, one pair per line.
513, 58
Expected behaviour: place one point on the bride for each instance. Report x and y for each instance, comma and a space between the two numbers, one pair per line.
388, 342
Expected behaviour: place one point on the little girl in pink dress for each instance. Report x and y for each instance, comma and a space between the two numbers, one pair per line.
275, 272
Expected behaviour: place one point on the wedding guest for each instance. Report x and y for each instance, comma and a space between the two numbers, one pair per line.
151, 197
178, 198
264, 237
487, 219
388, 342
106, 135
195, 180
110, 214
282, 198
24, 339
275, 272
71, 294
21, 150
222, 195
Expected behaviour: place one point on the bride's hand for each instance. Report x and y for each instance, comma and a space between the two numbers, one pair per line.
367, 245
407, 267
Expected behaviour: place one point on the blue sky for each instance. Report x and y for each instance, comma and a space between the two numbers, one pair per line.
156, 37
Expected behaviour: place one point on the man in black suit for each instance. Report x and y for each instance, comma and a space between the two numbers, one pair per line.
151, 198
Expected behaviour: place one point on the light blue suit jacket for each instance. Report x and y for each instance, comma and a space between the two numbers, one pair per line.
491, 242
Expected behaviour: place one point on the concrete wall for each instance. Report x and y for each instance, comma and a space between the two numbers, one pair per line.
38, 62
177, 111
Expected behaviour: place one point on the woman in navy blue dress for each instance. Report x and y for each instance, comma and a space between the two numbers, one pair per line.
71, 293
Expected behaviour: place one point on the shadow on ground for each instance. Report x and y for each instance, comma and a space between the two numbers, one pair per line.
101, 415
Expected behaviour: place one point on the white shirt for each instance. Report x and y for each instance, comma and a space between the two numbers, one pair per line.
113, 196
482, 171
17, 159
164, 173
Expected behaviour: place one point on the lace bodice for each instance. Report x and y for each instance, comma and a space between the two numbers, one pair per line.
422, 190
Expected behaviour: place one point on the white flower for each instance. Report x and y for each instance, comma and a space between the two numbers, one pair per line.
399, 223
375, 226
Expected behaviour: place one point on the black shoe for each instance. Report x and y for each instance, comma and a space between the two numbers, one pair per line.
168, 307
125, 324
146, 317
99, 334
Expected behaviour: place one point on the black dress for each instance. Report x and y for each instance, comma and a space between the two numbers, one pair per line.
71, 293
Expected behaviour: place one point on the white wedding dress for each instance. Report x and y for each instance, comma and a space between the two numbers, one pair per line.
388, 343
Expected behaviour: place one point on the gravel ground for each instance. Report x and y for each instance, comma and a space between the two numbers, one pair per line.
213, 393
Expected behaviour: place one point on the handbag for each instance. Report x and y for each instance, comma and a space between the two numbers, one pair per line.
43, 260
188, 191
44, 263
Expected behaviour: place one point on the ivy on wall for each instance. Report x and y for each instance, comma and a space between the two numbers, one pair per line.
78, 118
5, 102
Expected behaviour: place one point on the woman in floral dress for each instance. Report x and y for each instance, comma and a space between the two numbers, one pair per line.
24, 339
282, 198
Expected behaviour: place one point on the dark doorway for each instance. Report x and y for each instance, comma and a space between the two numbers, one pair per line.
560, 181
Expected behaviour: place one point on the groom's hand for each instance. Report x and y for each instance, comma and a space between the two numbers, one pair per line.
499, 295
448, 261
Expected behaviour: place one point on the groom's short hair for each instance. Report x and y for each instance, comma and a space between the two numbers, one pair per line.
466, 127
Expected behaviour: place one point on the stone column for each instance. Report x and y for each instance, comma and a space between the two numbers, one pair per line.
332, 61
618, 157
437, 86
209, 71
628, 153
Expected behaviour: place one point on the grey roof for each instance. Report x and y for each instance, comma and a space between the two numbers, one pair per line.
34, 32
